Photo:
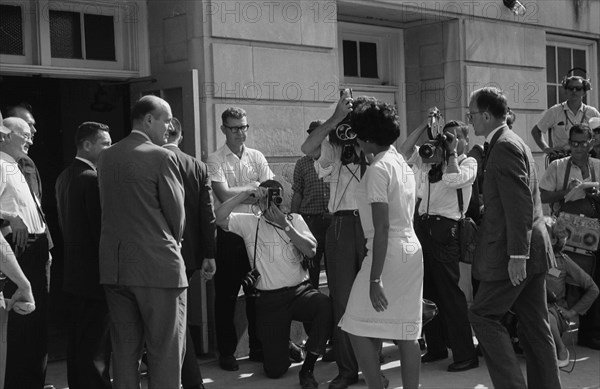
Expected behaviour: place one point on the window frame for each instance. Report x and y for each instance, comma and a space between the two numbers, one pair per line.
590, 48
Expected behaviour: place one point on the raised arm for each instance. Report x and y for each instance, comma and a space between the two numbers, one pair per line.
222, 213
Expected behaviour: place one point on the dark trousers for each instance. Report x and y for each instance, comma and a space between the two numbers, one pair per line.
232, 267
89, 348
589, 324
190, 371
441, 253
528, 301
345, 248
317, 224
27, 343
275, 311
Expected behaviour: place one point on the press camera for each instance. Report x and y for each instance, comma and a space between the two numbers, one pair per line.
274, 197
434, 150
344, 136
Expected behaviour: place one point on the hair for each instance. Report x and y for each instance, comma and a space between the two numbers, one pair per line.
581, 128
234, 113
271, 184
492, 100
511, 118
89, 131
146, 105
15, 123
585, 83
177, 130
462, 126
375, 121
11, 110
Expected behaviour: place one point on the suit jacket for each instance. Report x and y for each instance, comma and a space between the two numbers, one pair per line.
513, 222
78, 204
199, 233
141, 196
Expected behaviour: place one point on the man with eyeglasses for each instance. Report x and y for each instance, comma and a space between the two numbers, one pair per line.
558, 119
233, 169
25, 231
561, 176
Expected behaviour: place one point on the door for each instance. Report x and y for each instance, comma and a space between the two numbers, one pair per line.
180, 90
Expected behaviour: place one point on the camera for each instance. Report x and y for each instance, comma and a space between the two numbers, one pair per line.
434, 151
344, 136
249, 282
274, 197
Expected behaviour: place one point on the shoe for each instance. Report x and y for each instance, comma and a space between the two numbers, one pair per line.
307, 380
329, 356
296, 353
564, 362
422, 344
256, 356
464, 365
49, 386
341, 382
228, 363
385, 382
434, 356
593, 343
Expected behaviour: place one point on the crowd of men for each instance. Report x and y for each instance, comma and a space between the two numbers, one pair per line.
139, 217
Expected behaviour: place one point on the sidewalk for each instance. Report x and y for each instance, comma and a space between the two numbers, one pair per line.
433, 375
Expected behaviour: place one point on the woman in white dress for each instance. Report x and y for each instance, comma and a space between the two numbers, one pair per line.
385, 301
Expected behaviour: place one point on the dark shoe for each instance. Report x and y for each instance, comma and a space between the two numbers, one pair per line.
434, 356
307, 380
296, 354
464, 365
593, 343
256, 356
329, 356
228, 363
422, 345
341, 382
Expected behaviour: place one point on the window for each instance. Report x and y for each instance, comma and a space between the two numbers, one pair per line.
11, 30
360, 59
562, 55
95, 41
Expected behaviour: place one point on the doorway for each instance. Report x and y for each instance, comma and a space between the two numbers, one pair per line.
59, 106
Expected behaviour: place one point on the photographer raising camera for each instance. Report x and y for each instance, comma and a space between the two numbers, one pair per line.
277, 243
444, 175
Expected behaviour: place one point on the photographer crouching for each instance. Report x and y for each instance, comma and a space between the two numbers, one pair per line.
444, 174
277, 243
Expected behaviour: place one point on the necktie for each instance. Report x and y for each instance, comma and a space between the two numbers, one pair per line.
486, 151
363, 164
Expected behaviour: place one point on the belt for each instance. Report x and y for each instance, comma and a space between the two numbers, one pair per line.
284, 289
326, 215
34, 237
431, 218
349, 212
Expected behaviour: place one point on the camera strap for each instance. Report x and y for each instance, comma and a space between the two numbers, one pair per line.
255, 245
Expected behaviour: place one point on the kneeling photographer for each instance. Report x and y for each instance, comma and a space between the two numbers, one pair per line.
444, 175
277, 243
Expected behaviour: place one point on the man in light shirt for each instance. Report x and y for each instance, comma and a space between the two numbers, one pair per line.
26, 233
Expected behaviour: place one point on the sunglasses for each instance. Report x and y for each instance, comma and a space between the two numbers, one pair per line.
574, 88
575, 144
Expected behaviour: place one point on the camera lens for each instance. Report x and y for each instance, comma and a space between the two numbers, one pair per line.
277, 200
426, 151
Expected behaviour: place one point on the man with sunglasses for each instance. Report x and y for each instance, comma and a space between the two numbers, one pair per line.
233, 169
558, 119
561, 176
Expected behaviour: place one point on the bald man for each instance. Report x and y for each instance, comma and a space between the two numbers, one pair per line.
141, 266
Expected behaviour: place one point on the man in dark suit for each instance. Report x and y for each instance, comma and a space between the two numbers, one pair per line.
78, 204
141, 267
198, 246
513, 253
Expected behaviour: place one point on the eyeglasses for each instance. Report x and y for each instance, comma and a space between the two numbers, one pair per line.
235, 130
574, 88
470, 114
584, 144
27, 137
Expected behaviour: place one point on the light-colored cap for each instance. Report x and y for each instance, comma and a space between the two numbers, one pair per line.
594, 123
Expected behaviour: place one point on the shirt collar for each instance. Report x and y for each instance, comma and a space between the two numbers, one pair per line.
566, 107
491, 134
7, 157
142, 134
170, 145
87, 161
228, 151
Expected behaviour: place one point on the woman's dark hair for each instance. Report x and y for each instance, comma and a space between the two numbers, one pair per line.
460, 125
375, 121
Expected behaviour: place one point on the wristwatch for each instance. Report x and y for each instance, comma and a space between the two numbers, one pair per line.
287, 229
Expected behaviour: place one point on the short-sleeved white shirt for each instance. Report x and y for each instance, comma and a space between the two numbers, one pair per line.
343, 179
225, 166
560, 118
554, 176
277, 258
388, 180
